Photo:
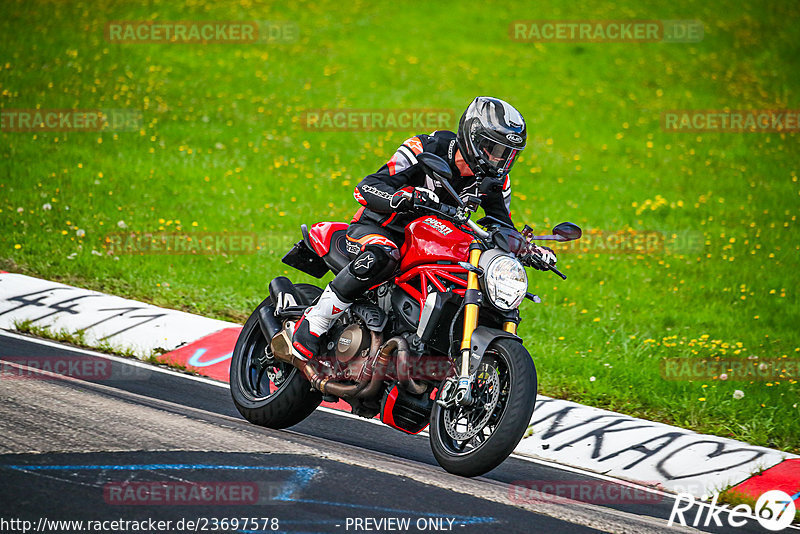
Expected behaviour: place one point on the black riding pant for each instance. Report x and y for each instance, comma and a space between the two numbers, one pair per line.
375, 253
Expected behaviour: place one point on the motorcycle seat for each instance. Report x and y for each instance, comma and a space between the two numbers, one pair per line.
337, 257
329, 241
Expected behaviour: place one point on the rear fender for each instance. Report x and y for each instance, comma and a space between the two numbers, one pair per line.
305, 260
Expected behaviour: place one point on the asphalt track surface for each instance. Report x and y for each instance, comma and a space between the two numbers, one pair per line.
130, 442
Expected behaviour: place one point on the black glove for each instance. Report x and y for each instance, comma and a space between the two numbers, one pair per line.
425, 198
402, 200
418, 197
541, 258
457, 215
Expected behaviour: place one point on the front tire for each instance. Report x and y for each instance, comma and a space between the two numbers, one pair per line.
507, 384
266, 391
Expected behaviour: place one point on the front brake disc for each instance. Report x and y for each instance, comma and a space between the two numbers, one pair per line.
486, 392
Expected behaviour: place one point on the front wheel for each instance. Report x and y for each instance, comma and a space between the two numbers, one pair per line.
471, 440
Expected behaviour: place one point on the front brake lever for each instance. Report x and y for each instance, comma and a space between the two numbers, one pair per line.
559, 273
546, 266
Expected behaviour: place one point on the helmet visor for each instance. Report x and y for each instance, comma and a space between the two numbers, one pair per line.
499, 157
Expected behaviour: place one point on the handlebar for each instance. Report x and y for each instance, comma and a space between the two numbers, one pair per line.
459, 217
480, 232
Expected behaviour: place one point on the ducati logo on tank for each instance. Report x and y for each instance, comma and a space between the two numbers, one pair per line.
438, 225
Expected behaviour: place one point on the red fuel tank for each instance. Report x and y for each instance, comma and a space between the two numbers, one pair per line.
430, 239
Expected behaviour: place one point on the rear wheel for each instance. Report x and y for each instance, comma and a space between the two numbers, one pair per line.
267, 391
471, 440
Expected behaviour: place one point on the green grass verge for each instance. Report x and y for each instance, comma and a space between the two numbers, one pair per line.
222, 149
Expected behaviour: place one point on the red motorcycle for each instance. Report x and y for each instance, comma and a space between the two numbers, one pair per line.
435, 345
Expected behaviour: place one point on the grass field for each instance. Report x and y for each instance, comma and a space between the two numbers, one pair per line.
222, 148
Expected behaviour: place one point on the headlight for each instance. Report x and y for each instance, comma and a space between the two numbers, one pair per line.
506, 282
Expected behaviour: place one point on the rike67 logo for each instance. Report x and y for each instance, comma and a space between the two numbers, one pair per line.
774, 510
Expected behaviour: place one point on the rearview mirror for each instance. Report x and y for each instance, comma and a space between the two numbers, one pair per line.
438, 169
434, 166
567, 231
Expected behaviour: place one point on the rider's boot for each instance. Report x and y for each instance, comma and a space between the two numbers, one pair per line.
370, 267
316, 321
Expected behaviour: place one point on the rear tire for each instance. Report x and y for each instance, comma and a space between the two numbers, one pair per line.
510, 417
278, 401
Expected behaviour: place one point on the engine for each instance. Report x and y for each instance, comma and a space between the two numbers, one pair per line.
348, 351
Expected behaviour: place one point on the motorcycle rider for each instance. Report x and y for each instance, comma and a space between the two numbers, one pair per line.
491, 134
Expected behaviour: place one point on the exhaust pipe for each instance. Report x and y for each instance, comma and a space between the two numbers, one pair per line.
374, 375
281, 289
281, 345
404, 367
282, 349
282, 286
268, 322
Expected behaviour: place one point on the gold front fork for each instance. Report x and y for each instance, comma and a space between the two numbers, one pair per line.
470, 311
510, 326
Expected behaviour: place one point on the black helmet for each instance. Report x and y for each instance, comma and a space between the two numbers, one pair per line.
491, 133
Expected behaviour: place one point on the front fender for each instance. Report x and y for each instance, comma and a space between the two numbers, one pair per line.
481, 338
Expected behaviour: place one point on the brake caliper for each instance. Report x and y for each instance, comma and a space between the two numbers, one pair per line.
447, 393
